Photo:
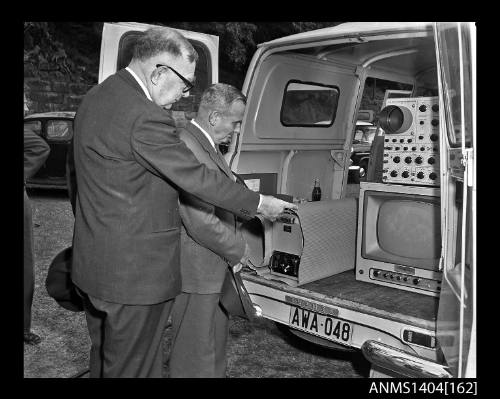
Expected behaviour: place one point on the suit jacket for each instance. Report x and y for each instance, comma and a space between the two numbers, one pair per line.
129, 164
36, 151
209, 238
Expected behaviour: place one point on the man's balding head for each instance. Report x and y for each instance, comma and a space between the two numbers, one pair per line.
165, 62
158, 41
221, 111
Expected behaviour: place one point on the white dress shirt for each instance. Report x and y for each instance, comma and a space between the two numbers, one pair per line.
205, 133
211, 140
146, 92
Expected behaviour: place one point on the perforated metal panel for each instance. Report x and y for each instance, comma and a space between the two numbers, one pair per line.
329, 229
329, 241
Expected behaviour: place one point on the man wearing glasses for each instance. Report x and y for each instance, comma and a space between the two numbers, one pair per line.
129, 165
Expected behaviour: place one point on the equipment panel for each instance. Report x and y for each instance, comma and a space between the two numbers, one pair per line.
411, 147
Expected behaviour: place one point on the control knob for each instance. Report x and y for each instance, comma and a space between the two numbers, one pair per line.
422, 108
376, 273
418, 160
394, 173
435, 108
434, 137
416, 281
408, 159
396, 159
434, 122
431, 160
405, 174
432, 176
420, 175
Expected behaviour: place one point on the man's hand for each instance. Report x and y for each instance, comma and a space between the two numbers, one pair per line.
272, 207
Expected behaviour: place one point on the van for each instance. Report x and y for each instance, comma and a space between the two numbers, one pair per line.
386, 266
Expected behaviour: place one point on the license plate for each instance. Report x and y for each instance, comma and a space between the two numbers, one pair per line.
322, 325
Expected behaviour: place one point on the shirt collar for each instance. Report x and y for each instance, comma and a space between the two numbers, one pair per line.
210, 139
146, 92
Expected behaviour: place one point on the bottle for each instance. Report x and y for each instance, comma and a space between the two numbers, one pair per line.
316, 193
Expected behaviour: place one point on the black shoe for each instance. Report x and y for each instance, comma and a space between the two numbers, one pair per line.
31, 338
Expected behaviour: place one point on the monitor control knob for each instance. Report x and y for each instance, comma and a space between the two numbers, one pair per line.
405, 174
416, 281
435, 108
385, 275
394, 173
422, 108
420, 175
434, 122
418, 160
434, 137
432, 176
431, 161
408, 159
376, 273
396, 159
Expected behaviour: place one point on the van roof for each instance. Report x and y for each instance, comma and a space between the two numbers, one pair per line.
349, 29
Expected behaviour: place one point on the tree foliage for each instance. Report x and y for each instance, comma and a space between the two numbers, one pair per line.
73, 47
51, 46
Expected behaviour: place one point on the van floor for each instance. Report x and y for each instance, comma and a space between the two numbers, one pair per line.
345, 291
385, 299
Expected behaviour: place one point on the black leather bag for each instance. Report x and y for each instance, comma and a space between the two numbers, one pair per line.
235, 298
59, 284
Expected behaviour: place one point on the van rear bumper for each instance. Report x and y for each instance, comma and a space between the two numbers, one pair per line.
401, 362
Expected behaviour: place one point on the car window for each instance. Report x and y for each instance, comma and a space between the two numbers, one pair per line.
35, 126
365, 134
309, 104
59, 129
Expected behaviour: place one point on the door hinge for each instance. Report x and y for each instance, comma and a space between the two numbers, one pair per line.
467, 162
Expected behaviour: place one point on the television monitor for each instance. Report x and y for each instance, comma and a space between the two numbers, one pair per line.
399, 237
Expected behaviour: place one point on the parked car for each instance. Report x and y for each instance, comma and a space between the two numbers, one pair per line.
360, 150
57, 129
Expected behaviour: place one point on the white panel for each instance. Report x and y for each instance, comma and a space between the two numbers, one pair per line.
262, 118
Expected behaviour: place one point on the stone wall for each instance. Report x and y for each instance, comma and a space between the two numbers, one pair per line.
53, 90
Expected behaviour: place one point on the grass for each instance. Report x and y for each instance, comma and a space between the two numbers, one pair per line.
255, 350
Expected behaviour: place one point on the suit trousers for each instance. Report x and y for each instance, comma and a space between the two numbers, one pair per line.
200, 328
29, 264
127, 340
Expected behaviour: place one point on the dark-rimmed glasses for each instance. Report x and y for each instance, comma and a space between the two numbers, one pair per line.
189, 85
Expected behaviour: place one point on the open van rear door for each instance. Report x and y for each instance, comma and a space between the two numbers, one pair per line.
117, 43
456, 328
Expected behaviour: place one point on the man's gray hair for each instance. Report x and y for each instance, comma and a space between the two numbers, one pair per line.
156, 41
220, 96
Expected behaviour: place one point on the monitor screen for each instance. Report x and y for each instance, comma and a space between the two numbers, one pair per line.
402, 228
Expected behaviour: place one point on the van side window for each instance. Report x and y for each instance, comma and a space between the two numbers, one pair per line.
309, 104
